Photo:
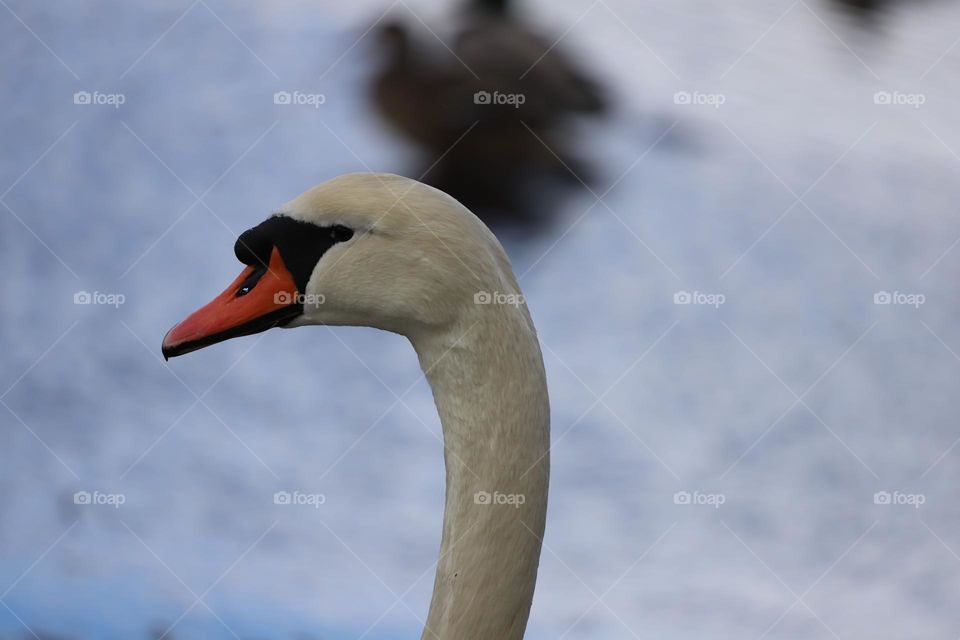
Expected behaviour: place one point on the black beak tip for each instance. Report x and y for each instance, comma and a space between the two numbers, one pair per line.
173, 351
169, 350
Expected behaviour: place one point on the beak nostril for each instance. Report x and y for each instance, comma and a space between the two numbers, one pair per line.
251, 281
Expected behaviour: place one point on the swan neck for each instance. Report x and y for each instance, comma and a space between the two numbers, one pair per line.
489, 385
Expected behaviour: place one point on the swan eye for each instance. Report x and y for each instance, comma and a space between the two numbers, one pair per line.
340, 233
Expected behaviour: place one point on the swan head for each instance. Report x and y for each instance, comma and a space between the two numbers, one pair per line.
363, 249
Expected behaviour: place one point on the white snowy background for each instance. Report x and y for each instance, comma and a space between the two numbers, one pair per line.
798, 199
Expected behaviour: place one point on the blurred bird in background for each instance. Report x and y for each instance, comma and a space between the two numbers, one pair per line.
862, 5
867, 12
491, 113
872, 12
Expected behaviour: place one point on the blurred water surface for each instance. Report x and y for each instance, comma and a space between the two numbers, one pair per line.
798, 199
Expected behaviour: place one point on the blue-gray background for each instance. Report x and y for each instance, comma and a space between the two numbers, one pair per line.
798, 199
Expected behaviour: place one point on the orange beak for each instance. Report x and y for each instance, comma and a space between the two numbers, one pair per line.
259, 299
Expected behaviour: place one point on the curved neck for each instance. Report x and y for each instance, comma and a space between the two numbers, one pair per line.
490, 389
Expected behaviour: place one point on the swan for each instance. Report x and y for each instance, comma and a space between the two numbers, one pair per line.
387, 252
